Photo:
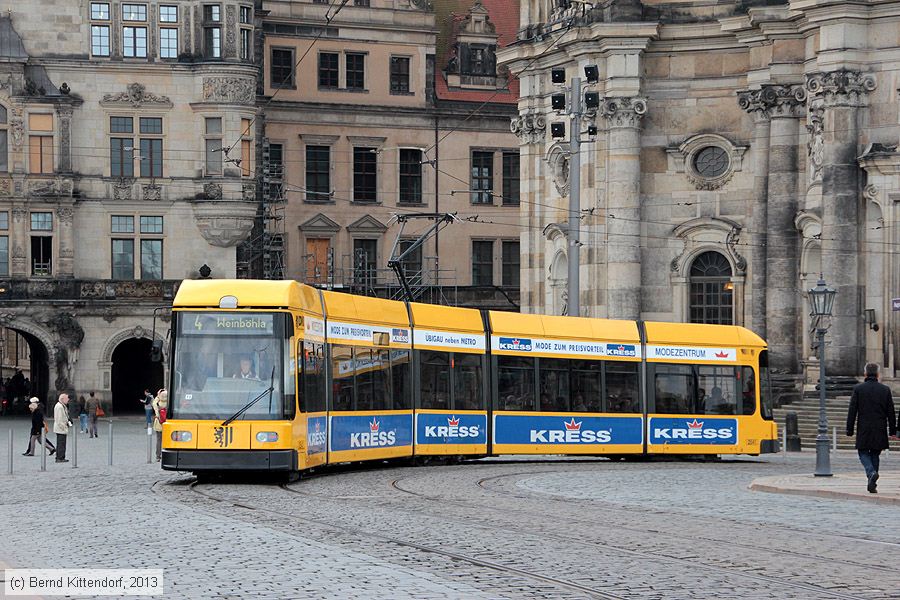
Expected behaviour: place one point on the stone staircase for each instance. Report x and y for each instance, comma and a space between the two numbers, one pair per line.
807, 409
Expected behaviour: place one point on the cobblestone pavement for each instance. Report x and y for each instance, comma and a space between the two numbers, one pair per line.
517, 528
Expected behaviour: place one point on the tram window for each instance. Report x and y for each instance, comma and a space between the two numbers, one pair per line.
290, 370
435, 379
515, 383
622, 389
400, 371
313, 378
372, 371
467, 382
748, 391
554, 380
586, 385
342, 372
716, 390
765, 388
674, 388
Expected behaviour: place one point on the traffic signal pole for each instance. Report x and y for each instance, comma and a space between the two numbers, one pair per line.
574, 288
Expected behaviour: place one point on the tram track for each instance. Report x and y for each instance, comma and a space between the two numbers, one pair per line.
363, 534
823, 592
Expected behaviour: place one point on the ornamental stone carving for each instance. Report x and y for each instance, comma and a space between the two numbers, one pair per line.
212, 191
224, 224
65, 137
50, 187
67, 327
558, 159
19, 214
122, 190
841, 88
684, 158
772, 101
624, 112
815, 144
151, 192
17, 127
65, 215
5, 187
230, 27
232, 90
136, 95
529, 127
248, 192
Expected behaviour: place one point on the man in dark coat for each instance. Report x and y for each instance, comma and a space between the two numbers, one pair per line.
872, 412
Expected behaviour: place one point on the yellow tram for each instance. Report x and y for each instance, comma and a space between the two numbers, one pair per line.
280, 376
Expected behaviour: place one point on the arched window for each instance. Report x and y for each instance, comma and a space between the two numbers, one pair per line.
4, 134
712, 296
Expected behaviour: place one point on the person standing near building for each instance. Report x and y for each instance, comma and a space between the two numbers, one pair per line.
61, 424
82, 414
93, 404
147, 401
872, 413
37, 423
160, 407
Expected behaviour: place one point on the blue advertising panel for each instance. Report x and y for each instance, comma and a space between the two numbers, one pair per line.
575, 429
316, 434
449, 428
693, 430
363, 432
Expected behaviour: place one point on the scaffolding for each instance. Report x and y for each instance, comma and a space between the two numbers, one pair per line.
262, 256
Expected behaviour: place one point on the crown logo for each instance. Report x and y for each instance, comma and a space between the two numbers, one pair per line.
453, 421
572, 425
317, 426
516, 342
696, 424
722, 354
373, 426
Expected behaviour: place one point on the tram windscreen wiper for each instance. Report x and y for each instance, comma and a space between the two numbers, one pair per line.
247, 406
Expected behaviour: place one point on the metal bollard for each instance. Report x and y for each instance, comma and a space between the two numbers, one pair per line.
74, 449
792, 436
149, 444
43, 442
110, 443
9, 469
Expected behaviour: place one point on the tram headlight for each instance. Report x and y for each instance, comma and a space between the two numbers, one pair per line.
266, 436
181, 436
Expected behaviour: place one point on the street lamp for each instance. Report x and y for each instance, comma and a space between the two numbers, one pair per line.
821, 302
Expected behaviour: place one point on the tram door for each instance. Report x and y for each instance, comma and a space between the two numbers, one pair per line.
313, 418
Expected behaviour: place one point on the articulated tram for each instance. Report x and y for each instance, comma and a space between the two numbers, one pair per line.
280, 376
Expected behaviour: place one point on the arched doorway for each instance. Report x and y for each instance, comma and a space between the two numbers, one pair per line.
712, 291
25, 362
132, 372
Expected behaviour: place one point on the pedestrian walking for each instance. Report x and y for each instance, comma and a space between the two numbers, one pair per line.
93, 405
82, 414
872, 413
38, 423
160, 408
61, 424
147, 401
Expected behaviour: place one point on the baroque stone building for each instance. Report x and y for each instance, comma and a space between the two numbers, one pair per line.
380, 108
113, 183
743, 148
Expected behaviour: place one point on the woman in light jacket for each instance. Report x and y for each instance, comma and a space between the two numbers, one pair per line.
160, 402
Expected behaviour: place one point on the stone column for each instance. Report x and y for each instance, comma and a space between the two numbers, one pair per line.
840, 94
623, 116
65, 216
752, 102
786, 106
18, 248
530, 127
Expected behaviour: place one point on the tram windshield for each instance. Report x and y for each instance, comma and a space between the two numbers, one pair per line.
225, 360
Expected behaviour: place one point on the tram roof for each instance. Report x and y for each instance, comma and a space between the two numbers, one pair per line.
250, 294
433, 316
549, 326
364, 309
699, 334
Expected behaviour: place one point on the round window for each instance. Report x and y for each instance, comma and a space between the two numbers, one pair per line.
711, 161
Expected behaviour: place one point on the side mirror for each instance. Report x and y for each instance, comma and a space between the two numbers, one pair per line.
156, 351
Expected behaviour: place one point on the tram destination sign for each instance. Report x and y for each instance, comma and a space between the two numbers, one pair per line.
227, 323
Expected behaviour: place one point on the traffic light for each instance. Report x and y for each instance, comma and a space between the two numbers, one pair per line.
558, 130
591, 100
156, 351
591, 73
558, 101
558, 76
592, 130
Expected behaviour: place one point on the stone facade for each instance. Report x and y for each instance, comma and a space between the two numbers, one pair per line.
764, 132
114, 115
339, 227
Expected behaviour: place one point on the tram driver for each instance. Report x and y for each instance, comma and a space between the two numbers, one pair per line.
246, 370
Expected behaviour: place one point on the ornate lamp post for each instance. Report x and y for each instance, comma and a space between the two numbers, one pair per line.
821, 302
